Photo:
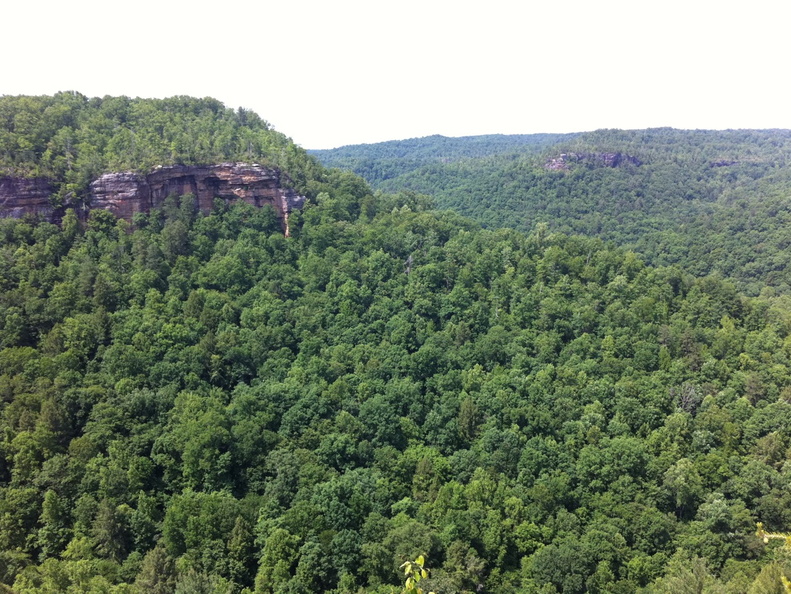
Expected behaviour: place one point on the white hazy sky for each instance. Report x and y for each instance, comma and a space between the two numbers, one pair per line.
335, 72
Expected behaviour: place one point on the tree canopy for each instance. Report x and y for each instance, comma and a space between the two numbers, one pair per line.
711, 202
196, 403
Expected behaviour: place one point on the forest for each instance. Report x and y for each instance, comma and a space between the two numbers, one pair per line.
195, 403
391, 160
72, 139
711, 202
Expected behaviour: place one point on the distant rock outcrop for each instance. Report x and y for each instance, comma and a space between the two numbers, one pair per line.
20, 196
562, 161
127, 193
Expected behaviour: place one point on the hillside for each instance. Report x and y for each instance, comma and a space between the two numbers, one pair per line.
196, 403
708, 201
72, 139
384, 161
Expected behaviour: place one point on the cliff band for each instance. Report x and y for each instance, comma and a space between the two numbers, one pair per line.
127, 193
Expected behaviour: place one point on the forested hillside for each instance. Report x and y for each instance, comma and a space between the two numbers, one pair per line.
73, 139
390, 160
200, 404
705, 200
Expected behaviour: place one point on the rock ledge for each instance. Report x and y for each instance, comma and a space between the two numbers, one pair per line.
127, 193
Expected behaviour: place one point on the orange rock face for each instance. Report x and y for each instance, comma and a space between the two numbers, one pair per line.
127, 193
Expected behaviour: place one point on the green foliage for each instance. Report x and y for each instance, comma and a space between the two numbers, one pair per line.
384, 161
201, 404
72, 139
415, 571
702, 200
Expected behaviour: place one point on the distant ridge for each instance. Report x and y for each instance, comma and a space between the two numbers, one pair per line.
432, 146
382, 161
706, 200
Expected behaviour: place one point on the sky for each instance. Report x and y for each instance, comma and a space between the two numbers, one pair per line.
335, 72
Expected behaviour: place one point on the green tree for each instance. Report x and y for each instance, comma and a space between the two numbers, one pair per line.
157, 573
54, 533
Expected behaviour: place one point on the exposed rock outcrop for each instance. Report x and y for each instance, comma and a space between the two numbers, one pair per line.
562, 161
127, 193
20, 196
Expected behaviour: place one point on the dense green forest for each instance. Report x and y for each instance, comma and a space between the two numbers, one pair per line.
390, 160
199, 404
73, 139
708, 201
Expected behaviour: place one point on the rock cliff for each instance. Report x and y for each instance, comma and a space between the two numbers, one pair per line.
20, 196
126, 193
562, 161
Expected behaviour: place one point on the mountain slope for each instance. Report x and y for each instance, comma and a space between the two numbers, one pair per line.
198, 403
708, 201
305, 413
384, 161
72, 139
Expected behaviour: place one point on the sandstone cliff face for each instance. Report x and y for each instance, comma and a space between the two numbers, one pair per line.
562, 161
126, 193
20, 196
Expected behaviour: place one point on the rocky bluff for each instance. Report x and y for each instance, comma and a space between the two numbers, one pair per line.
127, 193
562, 161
